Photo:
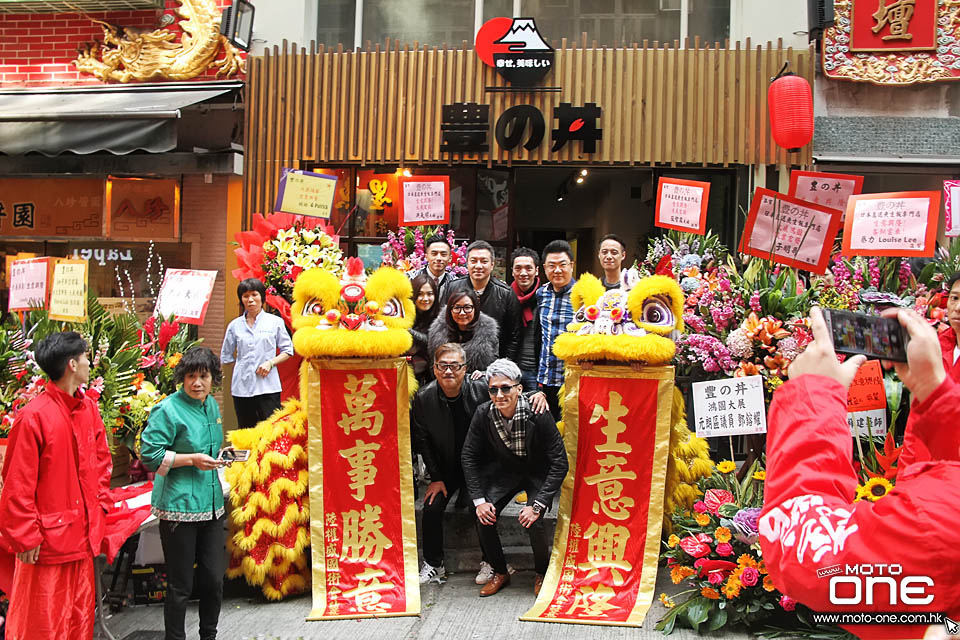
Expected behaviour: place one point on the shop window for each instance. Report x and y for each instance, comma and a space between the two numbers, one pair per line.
608, 22
431, 22
710, 21
335, 22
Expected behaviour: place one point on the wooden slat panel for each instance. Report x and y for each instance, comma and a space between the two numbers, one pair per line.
661, 106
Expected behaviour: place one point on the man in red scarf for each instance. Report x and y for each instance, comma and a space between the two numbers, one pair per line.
817, 542
526, 280
56, 479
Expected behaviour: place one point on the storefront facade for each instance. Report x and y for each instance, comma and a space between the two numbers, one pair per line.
643, 111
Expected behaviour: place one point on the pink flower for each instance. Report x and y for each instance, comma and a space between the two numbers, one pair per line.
696, 546
699, 563
700, 507
715, 498
788, 603
715, 577
749, 577
724, 549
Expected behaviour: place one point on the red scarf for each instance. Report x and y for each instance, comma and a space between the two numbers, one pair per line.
523, 298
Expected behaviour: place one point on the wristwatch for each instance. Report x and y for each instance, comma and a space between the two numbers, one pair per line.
537, 508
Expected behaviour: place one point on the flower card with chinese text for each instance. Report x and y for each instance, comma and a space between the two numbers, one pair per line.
362, 523
902, 223
185, 293
790, 231
424, 200
682, 205
951, 202
826, 189
68, 291
603, 569
729, 407
306, 193
30, 283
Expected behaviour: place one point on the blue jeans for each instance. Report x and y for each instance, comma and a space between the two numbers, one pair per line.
529, 381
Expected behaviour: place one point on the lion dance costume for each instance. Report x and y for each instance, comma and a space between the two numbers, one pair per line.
355, 317
639, 322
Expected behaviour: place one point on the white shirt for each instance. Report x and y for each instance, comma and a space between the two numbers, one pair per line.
249, 347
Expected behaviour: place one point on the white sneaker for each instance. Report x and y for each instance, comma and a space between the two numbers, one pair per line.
486, 573
430, 573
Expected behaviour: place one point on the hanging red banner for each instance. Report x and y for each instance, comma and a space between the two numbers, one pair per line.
603, 570
363, 531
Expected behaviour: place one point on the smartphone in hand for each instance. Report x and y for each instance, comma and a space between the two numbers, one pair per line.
229, 454
872, 335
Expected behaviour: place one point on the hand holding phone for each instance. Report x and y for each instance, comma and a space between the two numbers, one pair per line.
872, 335
229, 455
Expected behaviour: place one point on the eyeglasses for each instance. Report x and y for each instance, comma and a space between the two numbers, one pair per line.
449, 366
504, 389
557, 266
466, 308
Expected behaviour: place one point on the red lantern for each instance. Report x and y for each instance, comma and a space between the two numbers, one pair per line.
791, 110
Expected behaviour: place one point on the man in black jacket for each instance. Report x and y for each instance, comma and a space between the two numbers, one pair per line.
439, 419
509, 449
526, 280
497, 300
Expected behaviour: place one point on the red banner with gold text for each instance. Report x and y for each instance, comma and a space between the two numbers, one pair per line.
617, 432
363, 532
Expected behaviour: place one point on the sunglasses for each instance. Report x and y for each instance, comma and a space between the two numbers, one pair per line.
449, 366
504, 389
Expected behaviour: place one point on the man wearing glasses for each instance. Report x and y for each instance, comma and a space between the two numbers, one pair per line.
497, 300
555, 312
439, 420
510, 449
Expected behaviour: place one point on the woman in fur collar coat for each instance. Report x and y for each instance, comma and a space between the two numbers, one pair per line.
461, 321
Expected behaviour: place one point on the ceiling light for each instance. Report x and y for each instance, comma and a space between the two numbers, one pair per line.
583, 172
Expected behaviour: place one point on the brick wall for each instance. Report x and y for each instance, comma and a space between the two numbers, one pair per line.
37, 49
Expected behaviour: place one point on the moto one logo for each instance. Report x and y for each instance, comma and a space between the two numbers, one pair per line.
868, 583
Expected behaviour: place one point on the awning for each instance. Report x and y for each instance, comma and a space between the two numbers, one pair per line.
118, 119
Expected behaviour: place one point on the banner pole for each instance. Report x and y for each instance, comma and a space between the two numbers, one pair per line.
731, 448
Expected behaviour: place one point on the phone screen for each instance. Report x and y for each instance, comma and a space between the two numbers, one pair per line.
871, 335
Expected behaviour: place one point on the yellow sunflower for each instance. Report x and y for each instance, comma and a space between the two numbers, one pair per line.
722, 534
679, 573
666, 601
702, 519
732, 588
726, 466
760, 475
876, 488
673, 540
709, 593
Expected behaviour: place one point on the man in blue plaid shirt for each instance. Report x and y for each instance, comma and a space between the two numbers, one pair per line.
555, 313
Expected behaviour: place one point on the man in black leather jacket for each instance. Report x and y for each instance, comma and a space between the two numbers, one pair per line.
440, 417
497, 299
525, 264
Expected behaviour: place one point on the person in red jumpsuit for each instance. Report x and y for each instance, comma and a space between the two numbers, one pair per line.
811, 531
55, 482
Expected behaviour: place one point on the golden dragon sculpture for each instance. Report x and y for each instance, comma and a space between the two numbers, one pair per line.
130, 55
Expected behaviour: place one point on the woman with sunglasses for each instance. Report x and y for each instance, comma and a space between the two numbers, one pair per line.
425, 291
510, 449
462, 322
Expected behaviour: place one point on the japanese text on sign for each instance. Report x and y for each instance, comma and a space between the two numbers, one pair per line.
729, 407
28, 283
891, 225
68, 291
788, 229
425, 200
682, 205
826, 189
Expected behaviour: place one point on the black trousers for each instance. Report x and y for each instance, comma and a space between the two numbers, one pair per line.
432, 524
493, 549
252, 410
186, 543
553, 400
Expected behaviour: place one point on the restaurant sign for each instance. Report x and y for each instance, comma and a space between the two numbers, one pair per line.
515, 49
893, 42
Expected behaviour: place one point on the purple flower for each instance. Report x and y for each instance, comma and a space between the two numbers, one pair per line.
874, 270
745, 524
695, 322
904, 274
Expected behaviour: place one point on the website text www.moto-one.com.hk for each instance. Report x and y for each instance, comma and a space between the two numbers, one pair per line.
869, 585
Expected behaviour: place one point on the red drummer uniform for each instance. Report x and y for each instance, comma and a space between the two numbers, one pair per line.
56, 476
811, 531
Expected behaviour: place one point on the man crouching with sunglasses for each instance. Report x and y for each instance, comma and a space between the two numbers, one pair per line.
439, 419
507, 450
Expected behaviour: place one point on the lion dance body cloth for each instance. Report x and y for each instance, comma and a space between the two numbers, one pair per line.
356, 318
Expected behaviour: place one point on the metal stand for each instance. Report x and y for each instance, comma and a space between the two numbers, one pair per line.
100, 620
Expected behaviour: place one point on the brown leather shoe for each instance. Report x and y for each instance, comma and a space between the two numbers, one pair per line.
497, 582
537, 583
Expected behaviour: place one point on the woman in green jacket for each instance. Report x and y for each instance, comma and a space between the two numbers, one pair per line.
181, 442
